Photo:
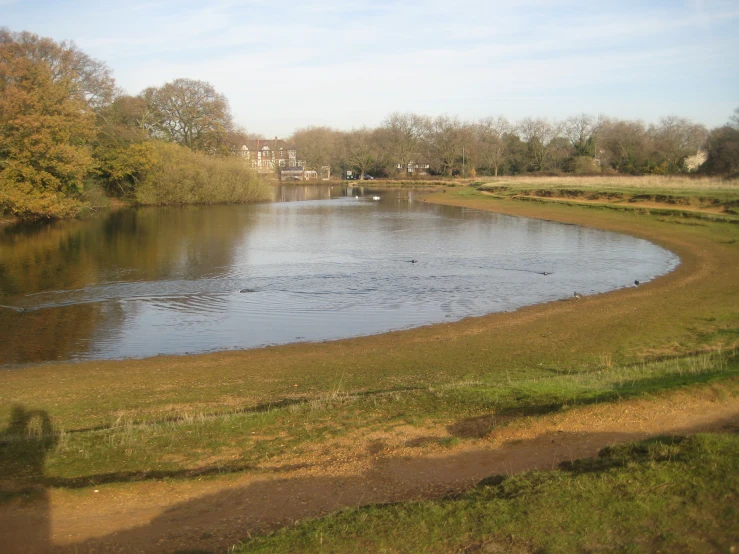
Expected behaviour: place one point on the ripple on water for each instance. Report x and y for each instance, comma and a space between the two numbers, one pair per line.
315, 270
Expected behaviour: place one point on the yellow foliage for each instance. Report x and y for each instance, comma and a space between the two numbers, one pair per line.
122, 166
45, 127
180, 176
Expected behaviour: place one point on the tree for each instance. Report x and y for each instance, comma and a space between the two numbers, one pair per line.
190, 113
446, 141
581, 130
722, 149
403, 133
560, 154
624, 145
361, 150
45, 124
89, 80
491, 142
675, 139
122, 151
538, 134
318, 146
734, 119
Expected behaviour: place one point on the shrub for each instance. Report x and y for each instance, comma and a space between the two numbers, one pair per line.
180, 176
585, 165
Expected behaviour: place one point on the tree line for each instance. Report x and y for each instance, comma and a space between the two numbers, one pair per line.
582, 144
70, 138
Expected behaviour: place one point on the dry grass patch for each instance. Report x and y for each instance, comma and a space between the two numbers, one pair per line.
657, 182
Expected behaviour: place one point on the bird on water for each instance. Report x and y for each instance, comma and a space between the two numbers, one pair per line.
636, 282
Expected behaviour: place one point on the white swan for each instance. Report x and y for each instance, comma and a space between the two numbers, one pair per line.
375, 198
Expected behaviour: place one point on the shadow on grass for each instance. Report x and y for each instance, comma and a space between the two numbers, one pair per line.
160, 475
235, 511
529, 403
23, 448
657, 449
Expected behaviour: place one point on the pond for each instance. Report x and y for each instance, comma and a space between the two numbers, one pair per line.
321, 263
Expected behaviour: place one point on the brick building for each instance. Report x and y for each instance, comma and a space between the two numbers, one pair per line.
265, 155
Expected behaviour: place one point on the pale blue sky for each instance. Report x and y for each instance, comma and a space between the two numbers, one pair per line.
348, 63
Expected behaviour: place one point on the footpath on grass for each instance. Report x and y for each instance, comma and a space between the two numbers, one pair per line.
210, 515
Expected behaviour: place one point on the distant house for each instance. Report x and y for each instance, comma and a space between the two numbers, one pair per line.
417, 165
265, 155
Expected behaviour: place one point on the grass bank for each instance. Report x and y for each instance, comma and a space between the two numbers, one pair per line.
195, 441
706, 198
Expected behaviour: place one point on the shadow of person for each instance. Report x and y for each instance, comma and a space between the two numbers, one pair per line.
25, 525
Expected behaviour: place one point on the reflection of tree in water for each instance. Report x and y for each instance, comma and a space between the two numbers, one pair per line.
25, 525
152, 244
143, 244
177, 243
51, 334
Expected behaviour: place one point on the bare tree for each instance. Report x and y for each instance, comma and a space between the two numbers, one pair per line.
446, 139
318, 146
539, 133
624, 145
581, 130
402, 136
361, 150
190, 113
676, 138
492, 149
734, 119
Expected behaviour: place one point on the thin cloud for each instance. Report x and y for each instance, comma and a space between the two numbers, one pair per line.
348, 63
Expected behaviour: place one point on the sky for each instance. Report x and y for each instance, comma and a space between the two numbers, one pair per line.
350, 63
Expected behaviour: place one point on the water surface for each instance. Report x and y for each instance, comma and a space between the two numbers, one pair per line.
322, 263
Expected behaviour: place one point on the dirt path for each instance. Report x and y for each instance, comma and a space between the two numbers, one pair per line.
212, 514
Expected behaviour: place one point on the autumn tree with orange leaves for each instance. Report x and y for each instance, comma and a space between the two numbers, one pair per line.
46, 122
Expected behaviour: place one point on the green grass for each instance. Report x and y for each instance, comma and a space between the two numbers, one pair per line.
669, 494
191, 442
666, 195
